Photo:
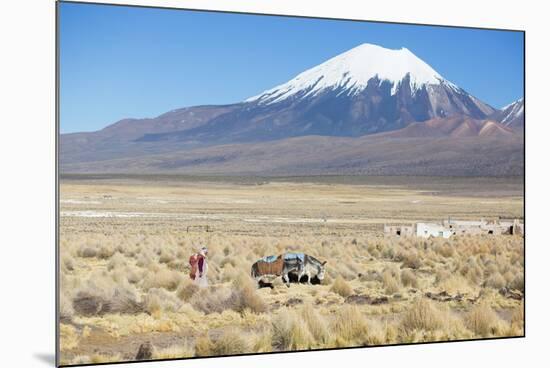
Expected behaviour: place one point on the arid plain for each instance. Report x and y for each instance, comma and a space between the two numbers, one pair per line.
125, 243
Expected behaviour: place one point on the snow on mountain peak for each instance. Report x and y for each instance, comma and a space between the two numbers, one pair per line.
518, 101
351, 71
512, 111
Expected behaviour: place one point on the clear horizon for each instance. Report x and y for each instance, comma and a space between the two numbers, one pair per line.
121, 62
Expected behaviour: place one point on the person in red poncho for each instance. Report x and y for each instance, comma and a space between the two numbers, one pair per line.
199, 267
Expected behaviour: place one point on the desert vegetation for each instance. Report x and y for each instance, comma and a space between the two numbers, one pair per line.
124, 274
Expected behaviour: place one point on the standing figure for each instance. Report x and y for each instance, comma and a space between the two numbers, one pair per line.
199, 267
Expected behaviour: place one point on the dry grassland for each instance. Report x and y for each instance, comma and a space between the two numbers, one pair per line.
124, 246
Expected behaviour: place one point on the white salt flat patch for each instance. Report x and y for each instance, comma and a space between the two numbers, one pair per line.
76, 201
217, 217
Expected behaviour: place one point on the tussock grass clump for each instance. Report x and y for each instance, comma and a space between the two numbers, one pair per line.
87, 251
101, 295
341, 287
495, 281
203, 346
133, 274
518, 319
455, 284
163, 278
116, 262
262, 341
518, 283
78, 359
483, 320
66, 310
166, 256
186, 290
315, 324
411, 260
391, 280
349, 326
230, 342
441, 275
422, 315
160, 300
371, 275
106, 251
474, 274
246, 297
68, 337
211, 300
446, 250
103, 358
241, 296
408, 278
67, 263
174, 352
290, 332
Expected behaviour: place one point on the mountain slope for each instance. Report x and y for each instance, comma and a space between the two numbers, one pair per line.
366, 90
459, 126
320, 155
512, 115
117, 140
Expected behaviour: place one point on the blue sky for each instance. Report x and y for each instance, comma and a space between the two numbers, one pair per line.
120, 62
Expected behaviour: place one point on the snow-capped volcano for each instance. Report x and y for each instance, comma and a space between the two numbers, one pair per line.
366, 90
368, 111
351, 71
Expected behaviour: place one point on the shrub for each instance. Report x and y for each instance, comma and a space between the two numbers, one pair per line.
423, 315
341, 287
483, 320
